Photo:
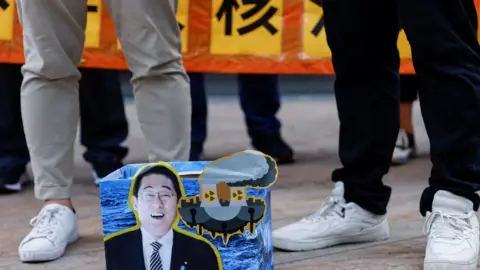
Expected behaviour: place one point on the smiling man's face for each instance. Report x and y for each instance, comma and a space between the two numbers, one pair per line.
156, 204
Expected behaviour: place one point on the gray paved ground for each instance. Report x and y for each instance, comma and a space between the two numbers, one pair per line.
310, 125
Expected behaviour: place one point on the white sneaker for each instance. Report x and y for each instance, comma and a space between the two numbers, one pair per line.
53, 229
96, 179
13, 183
453, 234
336, 222
405, 149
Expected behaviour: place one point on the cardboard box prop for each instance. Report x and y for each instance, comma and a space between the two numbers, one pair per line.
204, 215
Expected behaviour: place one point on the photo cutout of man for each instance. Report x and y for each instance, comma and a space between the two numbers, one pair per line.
156, 242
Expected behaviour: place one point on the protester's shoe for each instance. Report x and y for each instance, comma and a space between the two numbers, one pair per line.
13, 181
53, 229
336, 222
274, 146
100, 171
405, 148
453, 234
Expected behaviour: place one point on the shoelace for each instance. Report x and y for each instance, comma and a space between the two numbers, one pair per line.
45, 223
332, 207
450, 226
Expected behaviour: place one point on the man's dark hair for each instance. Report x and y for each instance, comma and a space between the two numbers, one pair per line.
158, 169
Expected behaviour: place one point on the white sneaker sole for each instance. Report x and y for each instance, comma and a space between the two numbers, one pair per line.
379, 232
403, 157
17, 187
46, 255
450, 266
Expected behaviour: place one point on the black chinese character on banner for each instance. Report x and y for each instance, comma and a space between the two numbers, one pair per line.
319, 25
4, 4
229, 6
92, 8
181, 26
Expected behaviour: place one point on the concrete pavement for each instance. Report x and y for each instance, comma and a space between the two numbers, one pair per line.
310, 125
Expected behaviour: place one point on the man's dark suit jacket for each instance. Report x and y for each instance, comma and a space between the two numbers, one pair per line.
125, 252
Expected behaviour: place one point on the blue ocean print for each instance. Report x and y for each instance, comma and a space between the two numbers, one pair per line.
242, 252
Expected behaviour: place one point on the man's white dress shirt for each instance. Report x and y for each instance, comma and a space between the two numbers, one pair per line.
165, 251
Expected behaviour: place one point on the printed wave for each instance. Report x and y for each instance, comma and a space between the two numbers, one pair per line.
243, 252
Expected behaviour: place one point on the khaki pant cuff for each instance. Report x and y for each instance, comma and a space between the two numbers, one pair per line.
53, 192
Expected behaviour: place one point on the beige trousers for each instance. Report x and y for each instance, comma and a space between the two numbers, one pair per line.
53, 40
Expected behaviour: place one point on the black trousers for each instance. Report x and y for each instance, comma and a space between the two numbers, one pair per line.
260, 110
104, 126
408, 88
409, 83
362, 36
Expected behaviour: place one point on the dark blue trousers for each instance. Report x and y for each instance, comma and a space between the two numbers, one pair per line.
259, 100
362, 36
103, 122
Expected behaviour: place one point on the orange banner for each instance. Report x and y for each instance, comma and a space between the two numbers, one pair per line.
278, 36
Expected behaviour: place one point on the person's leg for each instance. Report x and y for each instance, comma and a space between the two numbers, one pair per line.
53, 38
13, 148
103, 123
150, 38
405, 148
199, 115
471, 10
408, 94
446, 55
366, 63
260, 102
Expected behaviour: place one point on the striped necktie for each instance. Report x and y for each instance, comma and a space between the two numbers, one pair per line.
155, 260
